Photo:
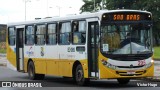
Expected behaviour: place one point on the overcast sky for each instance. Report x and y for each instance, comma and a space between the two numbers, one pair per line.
14, 10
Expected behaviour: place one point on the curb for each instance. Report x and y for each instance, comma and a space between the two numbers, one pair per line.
3, 64
2, 55
156, 59
153, 79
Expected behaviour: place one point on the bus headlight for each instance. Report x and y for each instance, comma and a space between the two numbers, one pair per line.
148, 65
105, 63
152, 61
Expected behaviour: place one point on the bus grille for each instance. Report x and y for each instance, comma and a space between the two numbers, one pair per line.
129, 66
136, 73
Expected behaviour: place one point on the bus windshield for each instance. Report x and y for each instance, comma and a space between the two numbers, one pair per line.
133, 38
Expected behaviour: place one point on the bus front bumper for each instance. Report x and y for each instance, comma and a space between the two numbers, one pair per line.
108, 73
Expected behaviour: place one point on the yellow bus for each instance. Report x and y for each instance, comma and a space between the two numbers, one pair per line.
109, 44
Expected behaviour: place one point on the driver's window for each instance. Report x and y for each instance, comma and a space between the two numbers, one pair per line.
111, 36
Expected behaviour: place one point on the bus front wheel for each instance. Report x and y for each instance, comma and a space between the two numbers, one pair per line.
31, 72
79, 76
123, 81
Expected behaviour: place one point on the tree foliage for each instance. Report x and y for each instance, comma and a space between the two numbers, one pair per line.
90, 5
152, 6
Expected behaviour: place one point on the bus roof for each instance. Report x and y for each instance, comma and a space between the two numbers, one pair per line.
74, 17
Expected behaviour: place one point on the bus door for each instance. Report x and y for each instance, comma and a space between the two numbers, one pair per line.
93, 29
19, 48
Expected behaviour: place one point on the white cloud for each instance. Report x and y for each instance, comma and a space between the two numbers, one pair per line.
14, 10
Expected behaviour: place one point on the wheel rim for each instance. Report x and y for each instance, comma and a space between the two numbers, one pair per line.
79, 75
31, 72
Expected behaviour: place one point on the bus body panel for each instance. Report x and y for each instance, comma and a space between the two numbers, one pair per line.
54, 61
11, 55
56, 67
59, 59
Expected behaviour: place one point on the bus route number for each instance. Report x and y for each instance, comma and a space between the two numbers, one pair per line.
141, 63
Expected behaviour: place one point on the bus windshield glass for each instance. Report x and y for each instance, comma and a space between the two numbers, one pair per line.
126, 38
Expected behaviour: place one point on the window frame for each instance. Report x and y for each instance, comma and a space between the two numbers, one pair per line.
12, 36
56, 33
31, 34
79, 32
59, 32
36, 27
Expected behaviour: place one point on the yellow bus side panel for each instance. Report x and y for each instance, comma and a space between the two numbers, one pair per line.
52, 67
56, 67
25, 64
65, 68
40, 65
43, 66
84, 64
11, 56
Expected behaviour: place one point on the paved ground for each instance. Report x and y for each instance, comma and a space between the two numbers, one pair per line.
4, 62
59, 83
157, 70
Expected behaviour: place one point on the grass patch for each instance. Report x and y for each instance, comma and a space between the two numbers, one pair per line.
156, 53
2, 50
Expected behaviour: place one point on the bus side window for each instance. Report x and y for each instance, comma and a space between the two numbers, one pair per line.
40, 34
65, 30
12, 36
51, 34
29, 35
79, 32
75, 32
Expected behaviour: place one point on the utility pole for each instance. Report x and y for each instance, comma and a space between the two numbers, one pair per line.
102, 5
47, 9
25, 2
94, 5
59, 10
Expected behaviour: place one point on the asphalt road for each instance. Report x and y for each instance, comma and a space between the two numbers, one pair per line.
59, 83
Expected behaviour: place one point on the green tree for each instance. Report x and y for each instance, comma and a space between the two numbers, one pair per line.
90, 5
152, 6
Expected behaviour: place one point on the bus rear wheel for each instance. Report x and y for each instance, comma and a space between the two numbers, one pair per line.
79, 76
123, 81
31, 72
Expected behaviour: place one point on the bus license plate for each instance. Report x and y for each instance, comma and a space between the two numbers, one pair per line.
130, 72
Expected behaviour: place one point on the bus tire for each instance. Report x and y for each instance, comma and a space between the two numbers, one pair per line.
31, 72
79, 76
123, 81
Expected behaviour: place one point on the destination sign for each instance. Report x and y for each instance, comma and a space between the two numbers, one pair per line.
126, 16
